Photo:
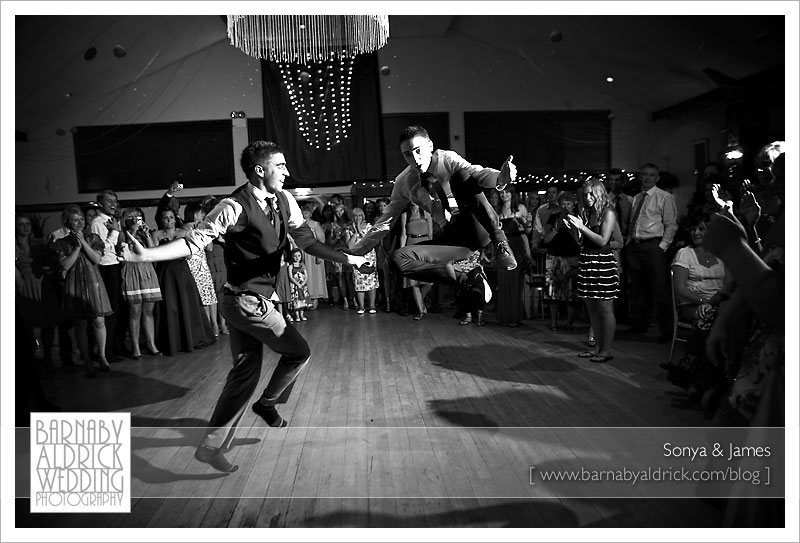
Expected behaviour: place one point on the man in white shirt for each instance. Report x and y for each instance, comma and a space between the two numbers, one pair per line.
473, 223
256, 220
652, 228
107, 226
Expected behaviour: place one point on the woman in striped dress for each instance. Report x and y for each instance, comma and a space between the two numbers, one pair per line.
598, 276
140, 285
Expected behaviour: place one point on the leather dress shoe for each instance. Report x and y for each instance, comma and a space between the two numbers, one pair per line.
503, 257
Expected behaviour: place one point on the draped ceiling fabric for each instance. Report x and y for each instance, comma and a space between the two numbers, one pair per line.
359, 157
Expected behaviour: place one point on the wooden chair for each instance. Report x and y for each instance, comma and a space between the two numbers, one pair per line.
677, 324
536, 279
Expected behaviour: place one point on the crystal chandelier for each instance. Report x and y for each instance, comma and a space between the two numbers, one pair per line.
306, 39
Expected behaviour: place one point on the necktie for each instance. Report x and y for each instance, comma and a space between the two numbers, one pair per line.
274, 214
429, 182
636, 212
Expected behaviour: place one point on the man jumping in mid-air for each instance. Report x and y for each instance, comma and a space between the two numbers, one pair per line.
473, 223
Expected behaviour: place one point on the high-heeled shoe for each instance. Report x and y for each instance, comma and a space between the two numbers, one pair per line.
419, 316
154, 352
466, 320
479, 321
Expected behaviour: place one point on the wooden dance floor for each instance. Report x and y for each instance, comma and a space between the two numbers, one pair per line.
395, 423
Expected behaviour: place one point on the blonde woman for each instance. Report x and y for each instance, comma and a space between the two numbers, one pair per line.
598, 276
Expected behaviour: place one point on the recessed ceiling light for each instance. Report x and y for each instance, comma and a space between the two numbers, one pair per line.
609, 79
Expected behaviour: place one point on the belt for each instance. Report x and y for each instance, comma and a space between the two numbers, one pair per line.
241, 292
418, 235
644, 240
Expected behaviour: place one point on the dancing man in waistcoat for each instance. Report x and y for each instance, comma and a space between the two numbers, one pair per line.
255, 221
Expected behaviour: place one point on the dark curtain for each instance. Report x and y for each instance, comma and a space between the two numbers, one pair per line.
359, 157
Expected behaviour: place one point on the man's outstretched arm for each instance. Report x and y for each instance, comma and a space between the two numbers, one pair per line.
396, 206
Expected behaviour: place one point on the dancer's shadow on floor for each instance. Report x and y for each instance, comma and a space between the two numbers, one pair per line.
187, 433
501, 363
117, 390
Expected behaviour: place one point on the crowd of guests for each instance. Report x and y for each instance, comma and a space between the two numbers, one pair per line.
612, 251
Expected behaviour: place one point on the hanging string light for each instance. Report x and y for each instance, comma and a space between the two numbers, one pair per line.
315, 55
321, 100
306, 39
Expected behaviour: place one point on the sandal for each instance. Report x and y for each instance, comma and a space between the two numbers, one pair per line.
289, 318
599, 358
479, 321
586, 354
466, 320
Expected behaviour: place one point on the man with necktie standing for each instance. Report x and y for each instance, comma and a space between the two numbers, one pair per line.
652, 228
473, 223
255, 221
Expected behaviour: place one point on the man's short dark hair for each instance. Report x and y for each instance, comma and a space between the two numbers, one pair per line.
412, 132
103, 193
256, 151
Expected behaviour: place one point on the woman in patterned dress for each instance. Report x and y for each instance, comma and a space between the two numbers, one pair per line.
215, 254
563, 254
364, 282
298, 279
198, 265
85, 297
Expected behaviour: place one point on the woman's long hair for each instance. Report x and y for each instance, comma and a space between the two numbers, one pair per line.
514, 198
594, 214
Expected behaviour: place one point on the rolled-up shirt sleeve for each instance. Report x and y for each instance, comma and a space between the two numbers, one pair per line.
224, 216
453, 162
301, 233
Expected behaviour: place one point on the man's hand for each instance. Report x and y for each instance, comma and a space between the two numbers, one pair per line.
113, 224
133, 251
361, 263
508, 173
721, 197
174, 187
749, 210
704, 310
